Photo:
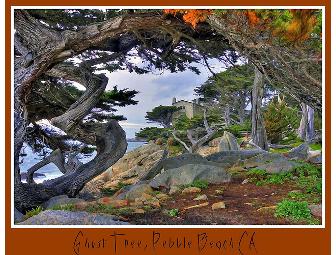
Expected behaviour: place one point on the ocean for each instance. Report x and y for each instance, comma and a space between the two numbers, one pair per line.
50, 171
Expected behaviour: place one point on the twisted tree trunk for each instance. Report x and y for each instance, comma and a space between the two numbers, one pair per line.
258, 132
306, 130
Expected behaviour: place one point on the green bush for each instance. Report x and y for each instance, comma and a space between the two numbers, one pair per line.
294, 210
310, 177
34, 211
202, 184
153, 133
261, 177
237, 129
173, 212
280, 120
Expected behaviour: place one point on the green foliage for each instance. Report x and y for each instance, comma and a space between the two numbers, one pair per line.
237, 129
153, 133
120, 97
66, 207
108, 191
261, 177
175, 150
297, 195
316, 146
162, 115
173, 212
293, 209
202, 184
111, 192
310, 177
109, 209
280, 120
34, 211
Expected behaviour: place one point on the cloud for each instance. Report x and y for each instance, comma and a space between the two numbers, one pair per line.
155, 89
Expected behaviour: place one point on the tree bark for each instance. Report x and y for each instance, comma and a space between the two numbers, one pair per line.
306, 129
258, 132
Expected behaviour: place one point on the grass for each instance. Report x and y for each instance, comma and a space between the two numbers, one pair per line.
310, 178
261, 177
280, 150
32, 212
295, 210
174, 150
109, 209
202, 184
173, 212
316, 146
66, 207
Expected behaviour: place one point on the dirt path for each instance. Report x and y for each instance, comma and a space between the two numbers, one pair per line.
242, 202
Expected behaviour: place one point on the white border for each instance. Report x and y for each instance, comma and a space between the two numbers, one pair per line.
172, 226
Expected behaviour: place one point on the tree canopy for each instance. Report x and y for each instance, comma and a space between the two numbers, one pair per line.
54, 49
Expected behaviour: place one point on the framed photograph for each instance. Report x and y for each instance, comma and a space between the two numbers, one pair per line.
186, 128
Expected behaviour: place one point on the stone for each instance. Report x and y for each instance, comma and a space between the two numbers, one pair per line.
218, 205
174, 189
154, 202
60, 200
207, 150
50, 217
219, 192
135, 191
245, 181
116, 203
267, 208
315, 159
18, 216
300, 152
316, 210
191, 190
145, 197
201, 197
228, 142
270, 162
139, 211
126, 170
188, 173
162, 196
232, 157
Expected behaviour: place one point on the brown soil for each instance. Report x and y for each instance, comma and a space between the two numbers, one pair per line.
241, 200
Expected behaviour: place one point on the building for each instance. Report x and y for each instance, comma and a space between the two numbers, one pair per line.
190, 109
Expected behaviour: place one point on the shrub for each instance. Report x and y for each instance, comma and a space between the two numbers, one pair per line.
280, 120
261, 177
237, 129
293, 209
153, 133
310, 177
171, 141
202, 184
159, 141
173, 212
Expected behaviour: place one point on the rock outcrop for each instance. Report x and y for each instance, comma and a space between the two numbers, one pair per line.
188, 173
270, 162
60, 200
50, 217
127, 170
228, 142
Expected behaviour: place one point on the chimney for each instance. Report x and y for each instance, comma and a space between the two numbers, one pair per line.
174, 101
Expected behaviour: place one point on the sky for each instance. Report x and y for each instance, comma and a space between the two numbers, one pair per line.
156, 89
